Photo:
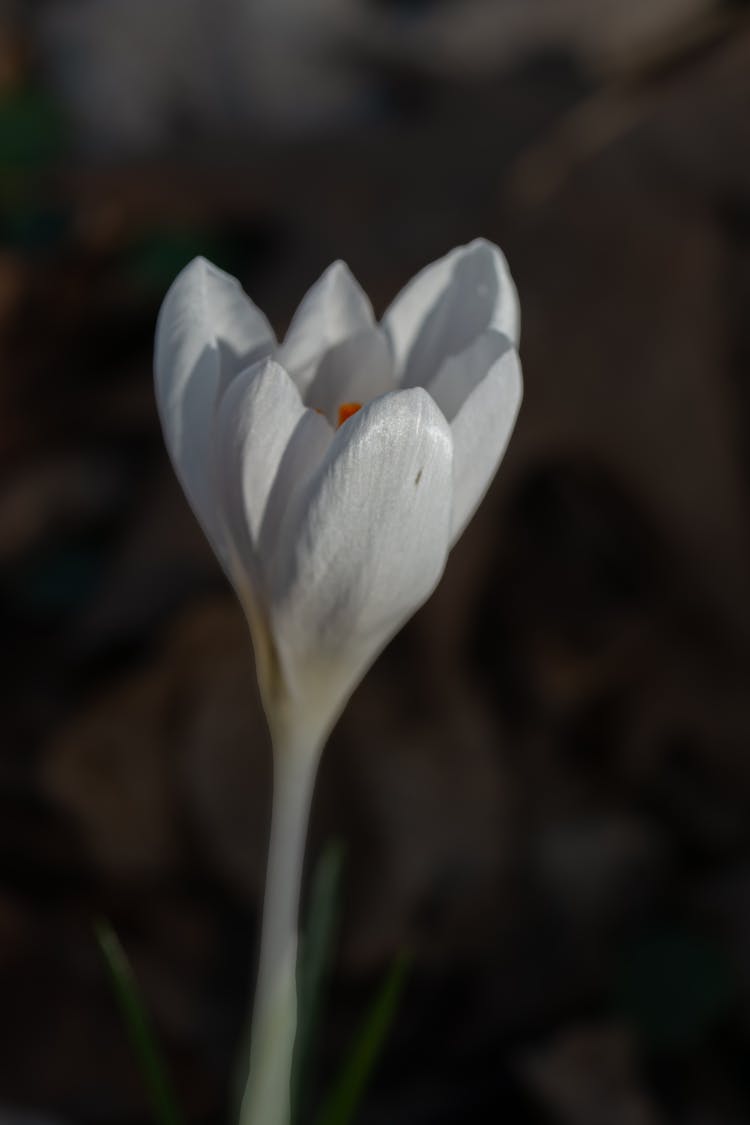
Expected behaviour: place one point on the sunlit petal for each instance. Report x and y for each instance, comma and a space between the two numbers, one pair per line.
367, 544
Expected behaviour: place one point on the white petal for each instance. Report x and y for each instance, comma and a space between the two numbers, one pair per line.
356, 370
367, 544
460, 374
481, 431
333, 310
267, 446
207, 331
446, 306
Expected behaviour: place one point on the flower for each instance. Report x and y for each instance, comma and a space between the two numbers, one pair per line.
333, 535
332, 473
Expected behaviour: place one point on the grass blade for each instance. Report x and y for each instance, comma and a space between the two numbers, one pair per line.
342, 1103
141, 1035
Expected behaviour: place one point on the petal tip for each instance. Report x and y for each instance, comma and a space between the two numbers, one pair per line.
202, 268
195, 273
339, 276
196, 265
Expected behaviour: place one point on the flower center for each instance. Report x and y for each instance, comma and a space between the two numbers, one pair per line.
346, 410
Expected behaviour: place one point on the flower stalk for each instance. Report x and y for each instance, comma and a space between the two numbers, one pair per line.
266, 1101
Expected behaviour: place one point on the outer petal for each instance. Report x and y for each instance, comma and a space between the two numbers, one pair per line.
366, 545
446, 306
207, 330
481, 431
333, 310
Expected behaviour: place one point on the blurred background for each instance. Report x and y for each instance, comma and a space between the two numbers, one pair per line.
543, 785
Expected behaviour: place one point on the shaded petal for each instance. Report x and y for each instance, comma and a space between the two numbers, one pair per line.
460, 374
446, 306
356, 370
333, 310
267, 446
366, 545
481, 431
207, 330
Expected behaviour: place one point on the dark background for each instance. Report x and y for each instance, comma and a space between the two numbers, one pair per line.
544, 783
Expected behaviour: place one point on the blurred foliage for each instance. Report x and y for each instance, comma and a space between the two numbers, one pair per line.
29, 225
155, 257
59, 579
32, 129
33, 136
674, 988
142, 1038
342, 1103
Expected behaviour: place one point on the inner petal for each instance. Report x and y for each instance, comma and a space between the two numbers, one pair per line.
458, 375
448, 305
356, 371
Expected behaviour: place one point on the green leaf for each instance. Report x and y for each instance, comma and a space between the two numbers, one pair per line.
342, 1103
142, 1038
314, 963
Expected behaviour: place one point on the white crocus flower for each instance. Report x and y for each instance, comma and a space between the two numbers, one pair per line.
332, 473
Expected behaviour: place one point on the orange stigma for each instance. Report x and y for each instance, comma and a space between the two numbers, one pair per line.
346, 410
